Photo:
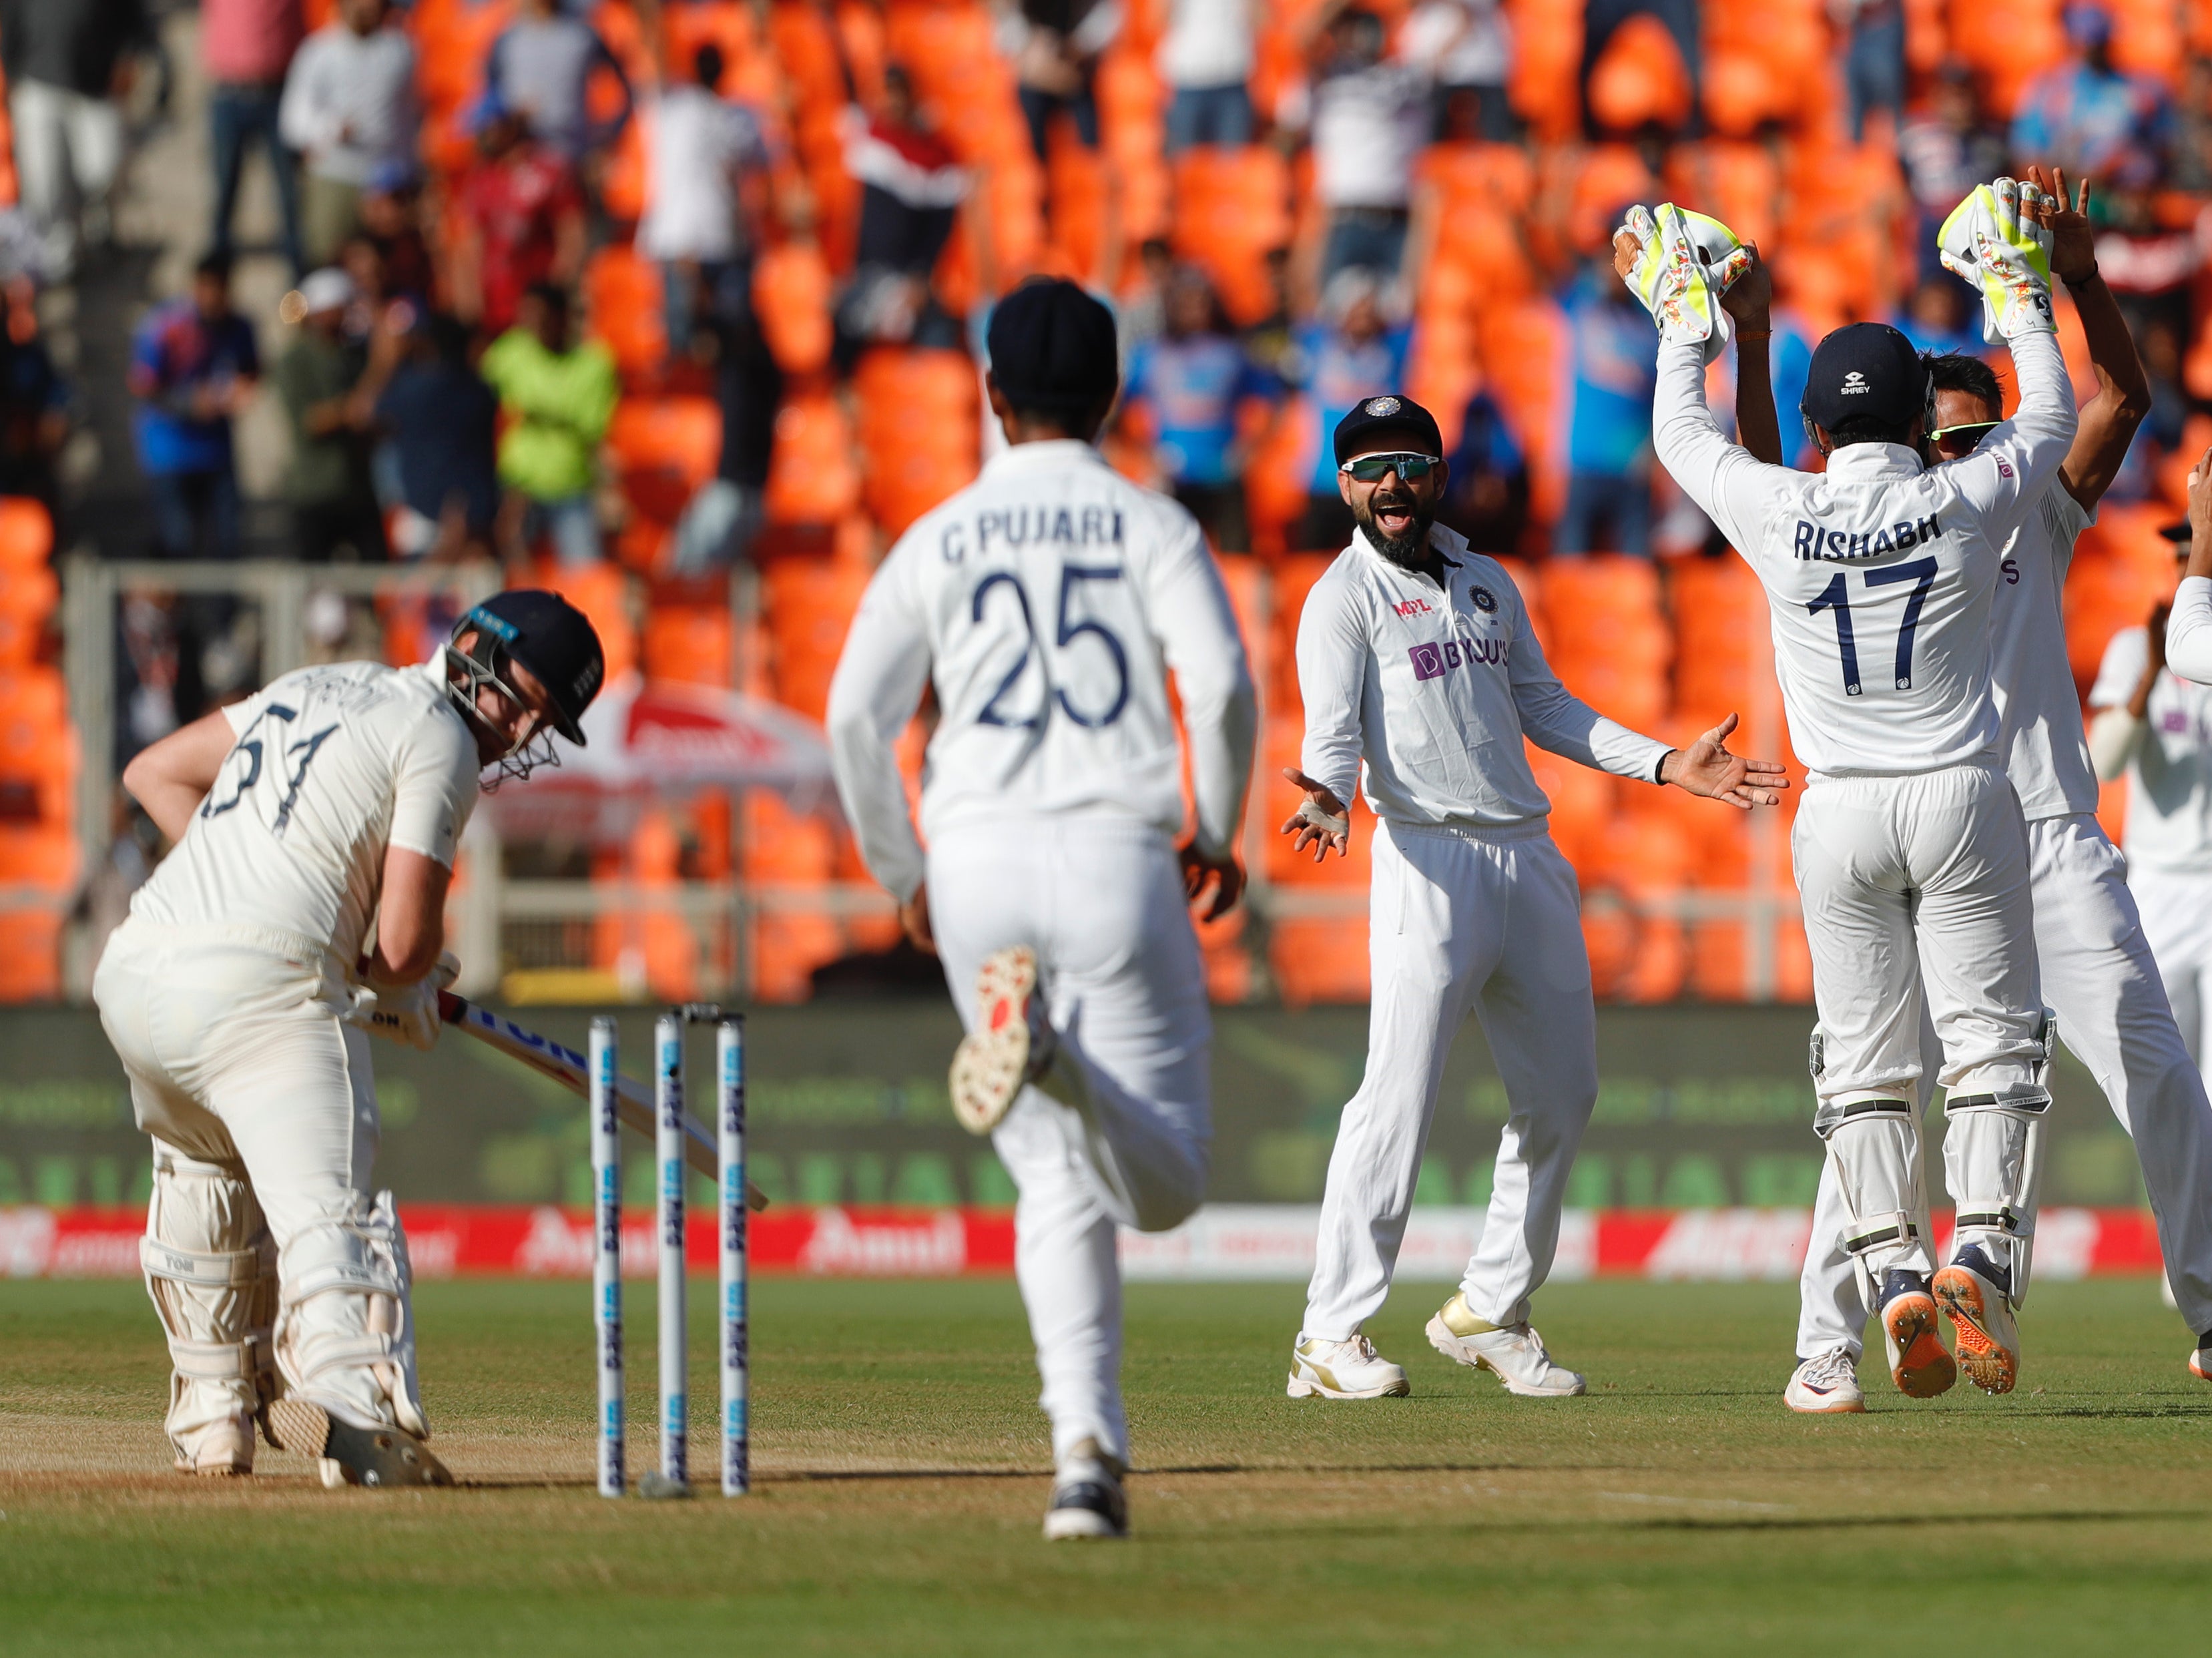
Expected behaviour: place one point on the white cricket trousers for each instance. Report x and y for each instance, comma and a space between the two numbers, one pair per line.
64, 138
257, 1094
2177, 922
1462, 920
2099, 977
1100, 898
1917, 895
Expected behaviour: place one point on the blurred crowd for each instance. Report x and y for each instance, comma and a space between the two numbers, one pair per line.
446, 395
653, 287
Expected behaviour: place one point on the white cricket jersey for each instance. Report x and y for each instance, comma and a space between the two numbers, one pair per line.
1880, 573
2040, 741
332, 765
2189, 630
2170, 774
1434, 687
1046, 603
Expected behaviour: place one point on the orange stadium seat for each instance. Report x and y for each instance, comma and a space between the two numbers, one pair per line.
623, 297
1231, 207
1293, 579
1738, 184
690, 635
1319, 959
812, 476
1276, 476
807, 605
27, 534
1544, 83
1639, 78
919, 430
790, 292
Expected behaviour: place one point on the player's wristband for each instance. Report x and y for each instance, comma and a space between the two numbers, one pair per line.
1659, 771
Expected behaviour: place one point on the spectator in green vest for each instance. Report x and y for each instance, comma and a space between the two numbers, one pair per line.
557, 398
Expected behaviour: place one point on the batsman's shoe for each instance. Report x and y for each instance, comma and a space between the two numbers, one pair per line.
2200, 1358
1515, 1351
1976, 1297
1826, 1384
1087, 1499
1994, 241
1010, 1047
222, 1450
1918, 1362
1344, 1369
350, 1456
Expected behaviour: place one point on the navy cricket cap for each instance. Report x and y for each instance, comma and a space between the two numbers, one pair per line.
1372, 414
551, 638
1053, 348
1867, 369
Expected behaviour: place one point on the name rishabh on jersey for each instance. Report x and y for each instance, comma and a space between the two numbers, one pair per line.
332, 765
1046, 603
1880, 573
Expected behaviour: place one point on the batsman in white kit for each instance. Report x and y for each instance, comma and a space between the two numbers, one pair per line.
1911, 853
1045, 604
2097, 968
1421, 675
314, 827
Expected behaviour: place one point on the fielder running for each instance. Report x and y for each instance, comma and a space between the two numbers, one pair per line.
1417, 661
2097, 972
314, 827
2155, 728
1046, 603
1911, 853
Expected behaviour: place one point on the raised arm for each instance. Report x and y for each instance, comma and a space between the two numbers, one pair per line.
1751, 301
2108, 421
877, 686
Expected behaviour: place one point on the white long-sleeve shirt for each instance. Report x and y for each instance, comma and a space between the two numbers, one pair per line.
1434, 687
348, 104
1880, 573
1047, 602
2189, 630
2167, 756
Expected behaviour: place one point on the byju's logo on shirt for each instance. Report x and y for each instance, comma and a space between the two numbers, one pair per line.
1435, 661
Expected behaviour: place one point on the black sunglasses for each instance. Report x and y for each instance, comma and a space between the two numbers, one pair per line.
1370, 469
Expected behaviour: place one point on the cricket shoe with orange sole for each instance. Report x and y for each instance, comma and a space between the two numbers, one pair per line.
1011, 1046
2200, 1358
1976, 1297
1919, 1363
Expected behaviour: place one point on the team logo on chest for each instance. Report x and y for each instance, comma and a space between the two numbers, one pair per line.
1434, 661
1483, 599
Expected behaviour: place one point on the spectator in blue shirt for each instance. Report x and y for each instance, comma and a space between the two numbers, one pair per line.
1612, 376
1352, 352
193, 365
1486, 495
2089, 117
1193, 380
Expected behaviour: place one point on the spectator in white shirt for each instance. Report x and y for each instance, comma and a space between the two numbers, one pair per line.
698, 222
542, 66
1471, 44
1056, 46
1206, 57
349, 111
1367, 118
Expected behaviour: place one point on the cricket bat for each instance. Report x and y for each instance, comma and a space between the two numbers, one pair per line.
633, 1104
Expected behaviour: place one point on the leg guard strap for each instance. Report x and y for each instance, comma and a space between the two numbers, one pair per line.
224, 1269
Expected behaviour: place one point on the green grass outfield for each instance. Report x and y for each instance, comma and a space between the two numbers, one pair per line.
1678, 1509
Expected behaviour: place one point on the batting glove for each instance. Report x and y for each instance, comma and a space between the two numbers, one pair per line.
1992, 239
407, 1013
1686, 261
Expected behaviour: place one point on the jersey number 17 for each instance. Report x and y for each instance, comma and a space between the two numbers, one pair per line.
1836, 597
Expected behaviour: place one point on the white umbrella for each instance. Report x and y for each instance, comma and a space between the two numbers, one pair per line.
643, 742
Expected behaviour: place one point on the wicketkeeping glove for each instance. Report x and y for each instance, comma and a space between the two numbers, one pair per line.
1686, 262
407, 1013
1993, 240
